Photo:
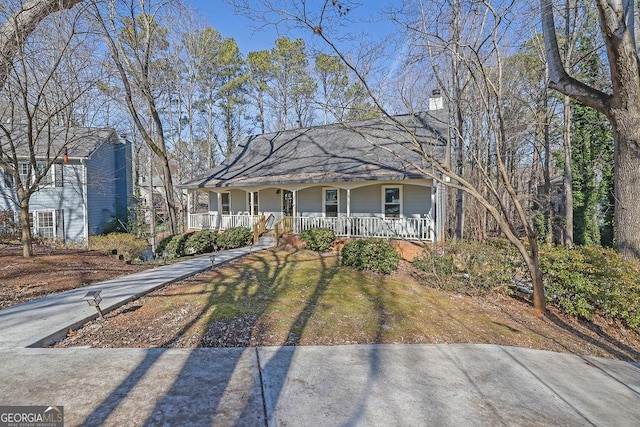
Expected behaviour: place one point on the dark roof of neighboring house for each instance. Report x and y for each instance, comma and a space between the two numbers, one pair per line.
80, 142
375, 149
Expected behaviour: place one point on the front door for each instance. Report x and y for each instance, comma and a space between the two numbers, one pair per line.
287, 202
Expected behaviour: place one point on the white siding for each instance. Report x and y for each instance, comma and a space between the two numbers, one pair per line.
271, 202
310, 201
366, 201
416, 201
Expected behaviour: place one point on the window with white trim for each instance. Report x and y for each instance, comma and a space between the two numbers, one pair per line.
331, 202
27, 176
7, 178
392, 201
47, 178
24, 170
225, 203
45, 224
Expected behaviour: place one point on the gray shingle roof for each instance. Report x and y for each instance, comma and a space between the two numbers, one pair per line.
376, 149
80, 142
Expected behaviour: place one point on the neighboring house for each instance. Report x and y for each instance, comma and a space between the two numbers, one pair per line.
359, 179
83, 191
157, 189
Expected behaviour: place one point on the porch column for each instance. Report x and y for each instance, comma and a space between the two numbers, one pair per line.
348, 212
295, 210
251, 203
188, 209
432, 211
219, 195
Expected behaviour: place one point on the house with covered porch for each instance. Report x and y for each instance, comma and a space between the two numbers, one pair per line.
368, 178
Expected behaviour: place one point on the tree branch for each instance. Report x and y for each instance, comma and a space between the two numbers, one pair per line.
558, 77
15, 31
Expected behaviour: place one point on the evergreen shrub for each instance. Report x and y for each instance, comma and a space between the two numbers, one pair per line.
592, 280
318, 239
200, 242
370, 254
175, 246
235, 237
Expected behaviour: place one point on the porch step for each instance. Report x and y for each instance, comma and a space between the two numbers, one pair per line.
267, 241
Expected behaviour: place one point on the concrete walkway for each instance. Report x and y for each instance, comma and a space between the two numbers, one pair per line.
370, 385
380, 385
43, 321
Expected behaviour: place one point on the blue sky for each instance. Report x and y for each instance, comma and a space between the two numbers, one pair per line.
221, 17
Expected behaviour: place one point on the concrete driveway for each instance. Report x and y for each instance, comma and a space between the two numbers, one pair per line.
372, 385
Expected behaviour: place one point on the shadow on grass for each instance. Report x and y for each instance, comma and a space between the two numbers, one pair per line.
268, 275
610, 345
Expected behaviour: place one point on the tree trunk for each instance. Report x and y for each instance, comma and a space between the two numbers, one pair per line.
533, 264
626, 128
548, 200
27, 248
568, 177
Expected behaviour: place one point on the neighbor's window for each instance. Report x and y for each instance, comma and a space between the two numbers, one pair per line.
392, 201
225, 203
24, 170
8, 179
47, 178
331, 202
45, 224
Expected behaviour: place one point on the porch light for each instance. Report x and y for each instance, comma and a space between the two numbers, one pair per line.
93, 298
65, 158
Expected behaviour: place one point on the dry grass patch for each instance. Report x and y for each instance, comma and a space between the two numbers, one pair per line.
303, 298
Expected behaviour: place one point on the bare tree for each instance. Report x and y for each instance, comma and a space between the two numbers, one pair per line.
38, 114
619, 23
134, 39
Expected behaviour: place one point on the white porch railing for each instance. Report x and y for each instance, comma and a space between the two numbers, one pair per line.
386, 228
203, 221
211, 221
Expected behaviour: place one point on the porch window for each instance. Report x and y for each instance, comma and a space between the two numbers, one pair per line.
331, 201
392, 201
225, 202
